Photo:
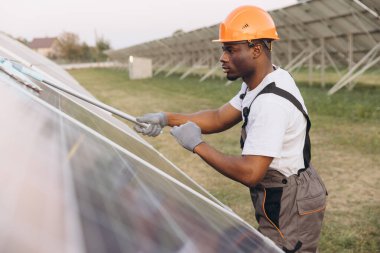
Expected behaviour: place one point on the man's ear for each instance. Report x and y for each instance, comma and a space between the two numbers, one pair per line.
257, 50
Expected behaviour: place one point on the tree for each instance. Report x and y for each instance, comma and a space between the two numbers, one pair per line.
68, 47
101, 46
86, 53
22, 40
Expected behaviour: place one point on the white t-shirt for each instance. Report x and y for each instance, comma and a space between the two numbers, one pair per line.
275, 128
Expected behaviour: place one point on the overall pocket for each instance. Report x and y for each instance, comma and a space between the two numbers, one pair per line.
311, 203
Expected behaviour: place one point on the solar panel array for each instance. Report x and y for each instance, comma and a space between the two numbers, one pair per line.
341, 34
374, 5
75, 179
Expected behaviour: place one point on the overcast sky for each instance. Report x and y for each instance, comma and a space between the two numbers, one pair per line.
122, 22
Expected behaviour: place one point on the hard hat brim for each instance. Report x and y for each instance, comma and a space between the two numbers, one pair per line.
223, 41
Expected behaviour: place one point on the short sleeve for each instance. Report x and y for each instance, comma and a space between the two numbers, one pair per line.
267, 124
236, 100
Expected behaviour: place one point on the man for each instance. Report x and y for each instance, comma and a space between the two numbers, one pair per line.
287, 193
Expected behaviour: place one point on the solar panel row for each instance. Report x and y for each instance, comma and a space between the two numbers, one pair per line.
318, 33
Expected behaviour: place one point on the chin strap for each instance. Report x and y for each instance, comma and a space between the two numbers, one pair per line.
267, 44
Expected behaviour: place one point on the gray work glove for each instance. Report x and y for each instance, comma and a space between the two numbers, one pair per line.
188, 135
156, 122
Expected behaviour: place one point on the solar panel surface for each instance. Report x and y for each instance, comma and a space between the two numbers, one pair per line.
73, 182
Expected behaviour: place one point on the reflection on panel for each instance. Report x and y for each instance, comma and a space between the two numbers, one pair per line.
66, 188
18, 52
33, 200
15, 50
116, 135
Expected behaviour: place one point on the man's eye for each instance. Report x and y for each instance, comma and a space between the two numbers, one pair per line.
227, 49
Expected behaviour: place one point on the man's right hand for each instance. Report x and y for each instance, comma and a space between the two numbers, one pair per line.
156, 122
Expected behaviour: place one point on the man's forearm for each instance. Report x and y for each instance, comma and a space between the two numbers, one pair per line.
206, 120
248, 170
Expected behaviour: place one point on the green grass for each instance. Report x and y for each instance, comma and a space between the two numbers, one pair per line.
370, 77
345, 146
363, 102
341, 234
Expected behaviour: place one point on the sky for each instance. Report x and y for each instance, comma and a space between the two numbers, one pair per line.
122, 22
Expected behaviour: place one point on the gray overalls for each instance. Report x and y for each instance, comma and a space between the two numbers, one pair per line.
289, 210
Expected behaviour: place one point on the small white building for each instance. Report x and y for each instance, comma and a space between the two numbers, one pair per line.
140, 68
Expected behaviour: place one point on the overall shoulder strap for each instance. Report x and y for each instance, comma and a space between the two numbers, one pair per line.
272, 88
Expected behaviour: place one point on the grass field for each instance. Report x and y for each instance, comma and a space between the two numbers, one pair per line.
345, 139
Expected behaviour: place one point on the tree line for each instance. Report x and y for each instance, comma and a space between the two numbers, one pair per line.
69, 48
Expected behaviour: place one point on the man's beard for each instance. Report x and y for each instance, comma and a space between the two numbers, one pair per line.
232, 78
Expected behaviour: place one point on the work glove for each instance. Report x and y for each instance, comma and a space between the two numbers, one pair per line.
188, 135
155, 121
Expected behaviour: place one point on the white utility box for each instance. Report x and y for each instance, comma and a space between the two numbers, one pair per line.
140, 68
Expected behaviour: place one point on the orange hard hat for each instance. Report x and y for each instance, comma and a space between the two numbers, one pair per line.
247, 23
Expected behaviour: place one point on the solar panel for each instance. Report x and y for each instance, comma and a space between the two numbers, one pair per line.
374, 5
116, 135
69, 184
113, 129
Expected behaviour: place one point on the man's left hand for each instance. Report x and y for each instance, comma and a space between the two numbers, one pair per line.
188, 135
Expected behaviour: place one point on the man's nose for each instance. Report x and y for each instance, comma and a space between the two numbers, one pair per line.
223, 58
